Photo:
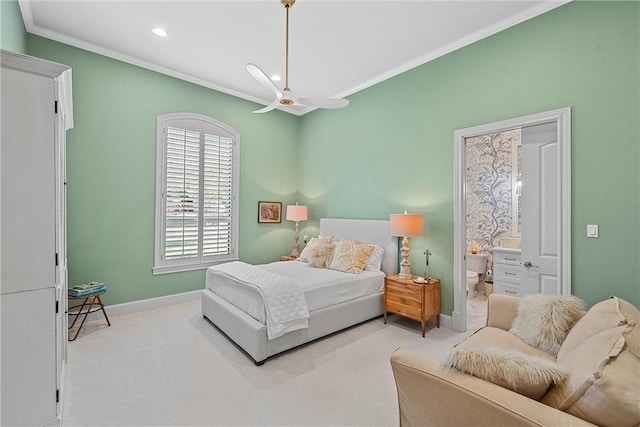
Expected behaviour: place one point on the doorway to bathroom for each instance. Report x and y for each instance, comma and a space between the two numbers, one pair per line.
492, 200
512, 206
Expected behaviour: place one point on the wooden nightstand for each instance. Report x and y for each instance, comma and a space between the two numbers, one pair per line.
416, 301
288, 258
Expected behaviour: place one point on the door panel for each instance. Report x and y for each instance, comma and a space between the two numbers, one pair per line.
28, 182
540, 213
28, 345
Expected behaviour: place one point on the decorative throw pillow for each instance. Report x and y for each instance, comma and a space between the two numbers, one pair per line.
375, 260
321, 255
604, 373
350, 256
528, 375
306, 252
543, 321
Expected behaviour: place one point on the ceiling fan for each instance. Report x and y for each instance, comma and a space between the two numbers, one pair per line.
284, 96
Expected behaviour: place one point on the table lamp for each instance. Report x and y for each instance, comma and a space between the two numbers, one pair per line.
405, 225
296, 213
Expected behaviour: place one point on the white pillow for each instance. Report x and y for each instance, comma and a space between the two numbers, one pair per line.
375, 260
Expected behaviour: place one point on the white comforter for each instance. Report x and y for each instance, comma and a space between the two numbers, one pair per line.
285, 304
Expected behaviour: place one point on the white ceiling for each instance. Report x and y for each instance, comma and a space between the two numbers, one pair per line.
336, 47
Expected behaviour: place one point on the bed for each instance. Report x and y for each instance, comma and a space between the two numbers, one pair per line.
335, 300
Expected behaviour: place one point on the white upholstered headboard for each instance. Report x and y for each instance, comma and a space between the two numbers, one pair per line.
372, 231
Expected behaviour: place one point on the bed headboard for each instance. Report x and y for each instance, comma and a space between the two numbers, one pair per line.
372, 231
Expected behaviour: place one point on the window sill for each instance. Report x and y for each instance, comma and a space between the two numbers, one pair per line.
188, 267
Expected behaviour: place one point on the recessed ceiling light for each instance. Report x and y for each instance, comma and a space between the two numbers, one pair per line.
276, 78
159, 32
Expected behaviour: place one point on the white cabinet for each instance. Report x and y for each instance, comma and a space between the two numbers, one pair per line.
36, 112
507, 271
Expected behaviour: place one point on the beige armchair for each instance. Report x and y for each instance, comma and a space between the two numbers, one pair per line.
431, 396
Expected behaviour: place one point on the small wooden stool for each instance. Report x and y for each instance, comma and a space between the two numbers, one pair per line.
91, 303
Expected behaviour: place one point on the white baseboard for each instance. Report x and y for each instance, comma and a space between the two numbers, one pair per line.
167, 300
446, 321
145, 304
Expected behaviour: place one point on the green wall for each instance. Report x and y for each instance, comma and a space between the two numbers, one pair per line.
12, 32
392, 148
111, 158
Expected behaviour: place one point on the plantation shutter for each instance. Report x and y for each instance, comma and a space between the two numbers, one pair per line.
182, 193
198, 196
218, 197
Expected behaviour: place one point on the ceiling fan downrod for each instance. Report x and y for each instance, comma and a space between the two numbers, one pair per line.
288, 100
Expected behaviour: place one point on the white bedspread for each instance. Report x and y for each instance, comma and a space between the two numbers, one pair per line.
284, 300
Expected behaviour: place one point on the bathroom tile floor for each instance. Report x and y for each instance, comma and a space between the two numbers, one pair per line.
476, 312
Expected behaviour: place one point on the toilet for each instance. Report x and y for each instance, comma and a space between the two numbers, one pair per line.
476, 265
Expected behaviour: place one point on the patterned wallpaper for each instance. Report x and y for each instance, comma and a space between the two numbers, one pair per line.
490, 178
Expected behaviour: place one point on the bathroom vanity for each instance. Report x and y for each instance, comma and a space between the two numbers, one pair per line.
507, 271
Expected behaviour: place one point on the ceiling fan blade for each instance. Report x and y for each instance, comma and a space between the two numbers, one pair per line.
323, 102
262, 78
274, 104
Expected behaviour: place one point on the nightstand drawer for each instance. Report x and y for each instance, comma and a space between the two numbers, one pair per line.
404, 293
410, 311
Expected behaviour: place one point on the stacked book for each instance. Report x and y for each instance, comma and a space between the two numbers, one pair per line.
86, 289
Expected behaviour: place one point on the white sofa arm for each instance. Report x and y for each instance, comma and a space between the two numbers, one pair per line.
501, 310
430, 396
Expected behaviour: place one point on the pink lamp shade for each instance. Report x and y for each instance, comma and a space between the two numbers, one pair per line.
296, 212
405, 225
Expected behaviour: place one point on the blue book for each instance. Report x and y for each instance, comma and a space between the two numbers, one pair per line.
82, 293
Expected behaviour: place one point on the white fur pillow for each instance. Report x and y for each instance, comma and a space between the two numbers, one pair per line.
528, 375
543, 321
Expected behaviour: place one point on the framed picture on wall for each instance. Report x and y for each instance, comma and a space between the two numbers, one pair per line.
269, 212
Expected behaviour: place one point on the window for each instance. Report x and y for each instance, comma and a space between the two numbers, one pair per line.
196, 189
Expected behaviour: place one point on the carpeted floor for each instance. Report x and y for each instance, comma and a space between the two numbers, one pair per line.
170, 366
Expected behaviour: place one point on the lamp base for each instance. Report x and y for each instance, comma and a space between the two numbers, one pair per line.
296, 246
405, 277
405, 266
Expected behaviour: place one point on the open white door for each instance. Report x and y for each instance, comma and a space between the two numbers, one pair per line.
540, 213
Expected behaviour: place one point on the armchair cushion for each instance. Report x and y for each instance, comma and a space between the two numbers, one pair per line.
516, 371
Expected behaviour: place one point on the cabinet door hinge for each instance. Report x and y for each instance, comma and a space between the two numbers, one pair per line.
55, 107
57, 395
57, 306
56, 259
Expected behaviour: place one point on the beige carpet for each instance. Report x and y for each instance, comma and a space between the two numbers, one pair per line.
170, 366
